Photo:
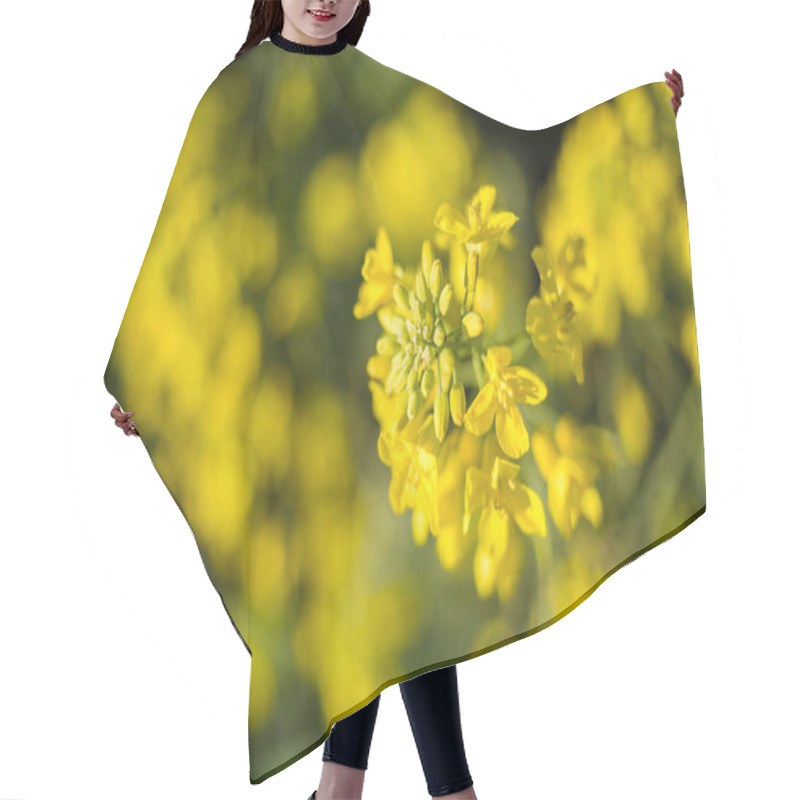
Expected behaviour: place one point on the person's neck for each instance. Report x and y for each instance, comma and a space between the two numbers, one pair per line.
294, 34
336, 46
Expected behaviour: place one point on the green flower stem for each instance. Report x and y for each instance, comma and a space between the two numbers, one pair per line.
474, 286
466, 291
465, 304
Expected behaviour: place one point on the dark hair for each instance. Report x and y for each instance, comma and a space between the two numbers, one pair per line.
266, 18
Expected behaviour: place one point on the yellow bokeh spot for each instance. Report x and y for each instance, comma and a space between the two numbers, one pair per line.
294, 109
331, 215
424, 152
633, 418
295, 299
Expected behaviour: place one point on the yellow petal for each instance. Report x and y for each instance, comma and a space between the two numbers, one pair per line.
384, 248
504, 472
567, 435
558, 485
497, 357
511, 432
420, 526
540, 323
450, 221
480, 414
494, 530
374, 268
369, 298
544, 450
477, 489
526, 386
483, 200
387, 449
544, 265
499, 224
484, 569
528, 510
378, 367
576, 359
398, 494
592, 506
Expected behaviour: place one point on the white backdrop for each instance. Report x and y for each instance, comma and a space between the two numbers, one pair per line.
120, 674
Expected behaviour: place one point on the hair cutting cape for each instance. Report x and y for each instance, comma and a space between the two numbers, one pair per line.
419, 381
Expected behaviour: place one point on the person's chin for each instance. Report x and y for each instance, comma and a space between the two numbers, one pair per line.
318, 39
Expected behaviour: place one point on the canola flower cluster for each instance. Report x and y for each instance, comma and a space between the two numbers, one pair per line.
417, 377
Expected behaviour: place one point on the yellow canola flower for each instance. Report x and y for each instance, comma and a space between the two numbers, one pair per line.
499, 498
412, 355
506, 386
458, 452
414, 481
550, 316
611, 183
480, 224
571, 459
379, 273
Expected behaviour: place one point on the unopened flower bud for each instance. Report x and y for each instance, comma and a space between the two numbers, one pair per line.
427, 382
413, 301
420, 288
458, 402
436, 278
444, 299
401, 296
441, 415
472, 324
414, 402
447, 363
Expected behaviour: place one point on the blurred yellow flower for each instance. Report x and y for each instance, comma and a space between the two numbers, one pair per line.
379, 272
410, 158
499, 498
506, 386
631, 408
331, 216
414, 473
550, 316
571, 459
617, 191
459, 451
